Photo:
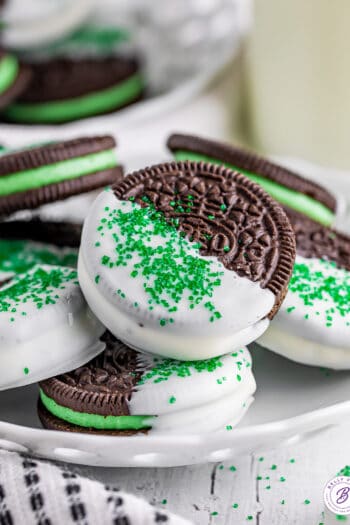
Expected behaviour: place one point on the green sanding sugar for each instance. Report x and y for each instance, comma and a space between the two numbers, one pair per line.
322, 282
171, 269
165, 368
39, 286
344, 471
19, 256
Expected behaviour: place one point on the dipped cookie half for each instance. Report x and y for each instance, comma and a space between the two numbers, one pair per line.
123, 392
287, 187
186, 260
313, 323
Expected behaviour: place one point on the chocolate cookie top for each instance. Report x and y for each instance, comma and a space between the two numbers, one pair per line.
316, 240
183, 146
229, 217
107, 382
63, 78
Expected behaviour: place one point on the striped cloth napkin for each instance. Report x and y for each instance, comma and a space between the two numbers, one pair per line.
38, 492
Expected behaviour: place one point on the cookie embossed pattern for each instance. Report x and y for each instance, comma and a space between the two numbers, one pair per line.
144, 241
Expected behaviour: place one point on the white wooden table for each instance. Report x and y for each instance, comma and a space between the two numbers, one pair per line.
283, 486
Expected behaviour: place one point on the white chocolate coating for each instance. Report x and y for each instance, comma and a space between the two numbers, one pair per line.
37, 343
196, 397
242, 303
309, 329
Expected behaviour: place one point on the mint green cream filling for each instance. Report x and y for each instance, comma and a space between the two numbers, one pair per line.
94, 420
294, 199
57, 172
8, 72
79, 107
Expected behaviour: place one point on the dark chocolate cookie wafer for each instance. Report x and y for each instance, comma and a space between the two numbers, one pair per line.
313, 323
42, 174
14, 78
123, 391
287, 187
62, 90
219, 242
313, 240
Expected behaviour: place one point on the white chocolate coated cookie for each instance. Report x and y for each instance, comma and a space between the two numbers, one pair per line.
46, 327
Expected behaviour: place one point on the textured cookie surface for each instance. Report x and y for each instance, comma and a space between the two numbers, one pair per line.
124, 390
316, 241
46, 173
306, 196
188, 260
231, 218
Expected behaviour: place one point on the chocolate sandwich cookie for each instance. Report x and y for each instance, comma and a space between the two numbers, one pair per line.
63, 89
23, 244
287, 187
123, 391
313, 323
14, 78
186, 260
42, 174
46, 326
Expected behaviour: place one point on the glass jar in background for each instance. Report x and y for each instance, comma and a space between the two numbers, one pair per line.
297, 75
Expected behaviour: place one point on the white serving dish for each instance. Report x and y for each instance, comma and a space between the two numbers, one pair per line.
293, 402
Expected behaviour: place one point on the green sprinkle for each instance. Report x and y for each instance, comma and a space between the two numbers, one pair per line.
261, 458
226, 248
322, 281
235, 506
292, 460
307, 501
171, 270
229, 427
26, 371
211, 217
259, 478
172, 400
214, 513
290, 309
38, 286
233, 468
283, 502
282, 478
223, 207
249, 518
97, 279
164, 501
268, 487
16, 257
273, 467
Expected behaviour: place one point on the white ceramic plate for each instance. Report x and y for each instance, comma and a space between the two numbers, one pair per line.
292, 403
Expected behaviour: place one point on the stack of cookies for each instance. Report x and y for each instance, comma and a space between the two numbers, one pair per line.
81, 76
140, 322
